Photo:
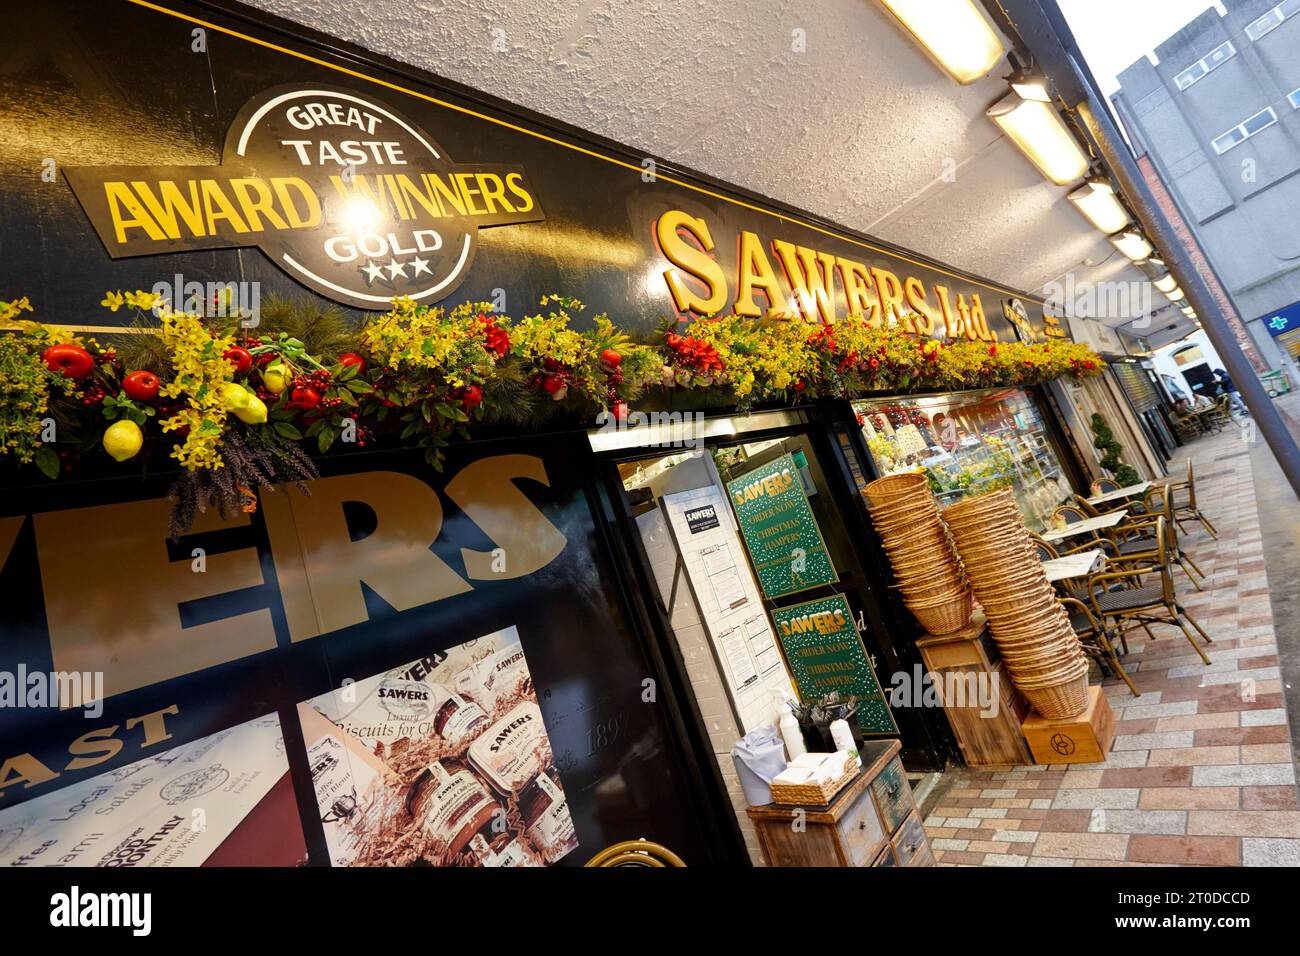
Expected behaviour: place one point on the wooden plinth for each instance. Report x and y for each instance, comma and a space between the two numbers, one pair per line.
968, 660
1083, 739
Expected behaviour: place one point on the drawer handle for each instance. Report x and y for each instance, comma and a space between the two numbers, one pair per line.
862, 824
893, 790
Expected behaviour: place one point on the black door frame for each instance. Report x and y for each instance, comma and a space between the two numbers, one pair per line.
930, 745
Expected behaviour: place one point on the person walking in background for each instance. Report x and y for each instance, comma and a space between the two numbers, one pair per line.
1226, 387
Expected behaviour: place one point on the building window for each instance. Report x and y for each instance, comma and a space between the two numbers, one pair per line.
1220, 55
1273, 19
1245, 130
1294, 98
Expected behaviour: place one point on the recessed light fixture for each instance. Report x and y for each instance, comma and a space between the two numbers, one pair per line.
953, 32
1096, 200
1037, 129
1174, 295
1166, 283
1132, 244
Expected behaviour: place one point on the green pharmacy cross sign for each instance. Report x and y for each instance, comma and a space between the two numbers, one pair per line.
780, 531
821, 642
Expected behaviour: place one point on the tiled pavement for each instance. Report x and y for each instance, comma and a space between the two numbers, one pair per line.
1201, 769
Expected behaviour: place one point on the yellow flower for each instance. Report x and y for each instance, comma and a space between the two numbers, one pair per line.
113, 300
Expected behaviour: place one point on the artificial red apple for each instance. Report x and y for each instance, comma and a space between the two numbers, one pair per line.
611, 358
352, 358
305, 398
239, 357
471, 397
141, 386
72, 360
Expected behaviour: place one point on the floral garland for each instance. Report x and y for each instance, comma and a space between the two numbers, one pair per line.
232, 406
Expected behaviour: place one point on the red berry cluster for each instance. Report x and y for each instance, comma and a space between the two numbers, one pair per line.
93, 395
495, 338
694, 355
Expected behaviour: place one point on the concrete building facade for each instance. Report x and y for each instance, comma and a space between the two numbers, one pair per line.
1217, 118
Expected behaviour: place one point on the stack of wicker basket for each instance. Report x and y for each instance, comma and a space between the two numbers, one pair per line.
1040, 651
934, 588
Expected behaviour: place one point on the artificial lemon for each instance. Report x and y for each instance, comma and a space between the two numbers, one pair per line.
252, 412
274, 379
234, 396
123, 439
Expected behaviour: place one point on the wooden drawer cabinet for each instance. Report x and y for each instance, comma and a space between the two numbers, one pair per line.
893, 795
860, 832
909, 842
871, 822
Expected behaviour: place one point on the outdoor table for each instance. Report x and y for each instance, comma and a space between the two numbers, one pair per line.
1074, 565
1086, 527
1125, 492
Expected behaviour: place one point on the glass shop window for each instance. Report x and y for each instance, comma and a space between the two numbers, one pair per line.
970, 443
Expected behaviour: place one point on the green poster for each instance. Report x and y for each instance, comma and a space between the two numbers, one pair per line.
780, 531
821, 642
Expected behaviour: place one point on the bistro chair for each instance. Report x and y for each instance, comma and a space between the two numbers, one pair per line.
1143, 546
1184, 503
1106, 507
1148, 604
636, 853
1104, 486
1094, 637
1072, 514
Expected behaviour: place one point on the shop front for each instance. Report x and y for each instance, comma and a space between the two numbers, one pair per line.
518, 649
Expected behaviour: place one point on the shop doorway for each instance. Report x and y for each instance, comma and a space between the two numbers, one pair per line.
726, 601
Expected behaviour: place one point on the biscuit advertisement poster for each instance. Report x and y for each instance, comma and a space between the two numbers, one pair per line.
444, 761
221, 800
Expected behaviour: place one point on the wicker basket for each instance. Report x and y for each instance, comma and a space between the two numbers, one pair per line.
943, 618
980, 510
1060, 701
790, 795
891, 487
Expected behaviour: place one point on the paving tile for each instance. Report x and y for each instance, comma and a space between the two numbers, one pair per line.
1261, 718
1049, 861
1257, 852
962, 823
1148, 777
1195, 756
1265, 753
1185, 850
1199, 721
959, 857
944, 844
1261, 823
1269, 798
981, 812
1117, 799
1173, 738
1007, 859
1258, 675
1227, 736
1190, 798
1080, 779
1179, 708
997, 792
1087, 846
1246, 775
1139, 821
1008, 803
1017, 836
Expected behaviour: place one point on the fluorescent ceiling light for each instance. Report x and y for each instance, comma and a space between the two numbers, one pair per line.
953, 32
1132, 244
1174, 295
1037, 129
1096, 200
1031, 86
1166, 283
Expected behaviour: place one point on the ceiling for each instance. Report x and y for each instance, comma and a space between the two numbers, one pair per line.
860, 127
